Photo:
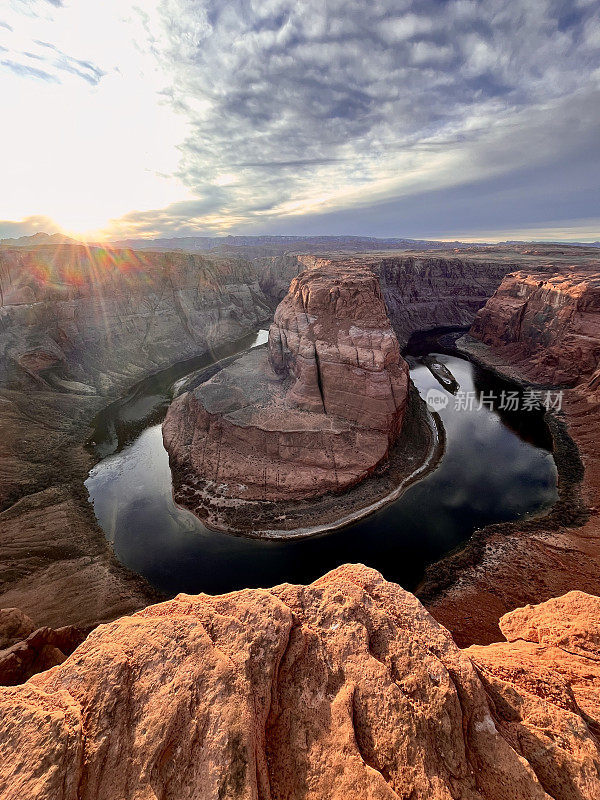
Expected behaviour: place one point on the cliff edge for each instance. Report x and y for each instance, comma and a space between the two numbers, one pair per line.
346, 689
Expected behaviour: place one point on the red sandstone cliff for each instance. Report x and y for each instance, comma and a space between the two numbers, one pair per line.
317, 412
545, 322
346, 689
332, 334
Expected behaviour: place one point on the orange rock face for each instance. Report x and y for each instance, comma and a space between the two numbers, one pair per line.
346, 689
24, 651
546, 322
316, 412
333, 336
546, 681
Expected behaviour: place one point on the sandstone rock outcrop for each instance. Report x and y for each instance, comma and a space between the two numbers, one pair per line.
346, 689
317, 412
332, 335
25, 651
545, 323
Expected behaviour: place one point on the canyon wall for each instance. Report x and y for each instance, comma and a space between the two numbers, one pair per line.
430, 292
96, 318
420, 291
346, 689
545, 323
79, 325
542, 326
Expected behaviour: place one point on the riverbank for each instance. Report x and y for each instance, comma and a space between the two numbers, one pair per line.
507, 565
416, 453
56, 563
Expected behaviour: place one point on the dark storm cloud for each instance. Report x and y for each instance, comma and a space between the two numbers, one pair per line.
359, 101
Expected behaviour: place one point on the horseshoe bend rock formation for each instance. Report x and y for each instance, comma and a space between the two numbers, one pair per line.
316, 412
343, 689
332, 334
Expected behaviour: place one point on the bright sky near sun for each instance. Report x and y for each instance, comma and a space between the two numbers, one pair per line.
78, 146
419, 118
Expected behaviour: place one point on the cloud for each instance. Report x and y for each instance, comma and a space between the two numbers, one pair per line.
315, 107
10, 229
285, 114
56, 63
27, 71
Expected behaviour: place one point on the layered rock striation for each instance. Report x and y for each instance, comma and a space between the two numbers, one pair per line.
95, 317
333, 337
78, 326
421, 291
315, 412
346, 689
545, 323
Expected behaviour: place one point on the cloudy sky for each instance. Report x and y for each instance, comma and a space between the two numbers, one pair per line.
421, 118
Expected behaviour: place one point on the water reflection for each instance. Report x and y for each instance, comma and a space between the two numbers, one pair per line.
148, 401
496, 467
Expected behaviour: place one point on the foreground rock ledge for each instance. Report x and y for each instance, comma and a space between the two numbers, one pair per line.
317, 412
346, 688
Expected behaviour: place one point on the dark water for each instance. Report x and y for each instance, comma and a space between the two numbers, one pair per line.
496, 467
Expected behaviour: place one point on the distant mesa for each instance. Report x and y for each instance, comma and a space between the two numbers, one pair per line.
39, 238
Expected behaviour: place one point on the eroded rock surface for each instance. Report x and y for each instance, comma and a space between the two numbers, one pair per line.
99, 317
317, 412
421, 291
333, 336
346, 688
25, 651
545, 322
544, 684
